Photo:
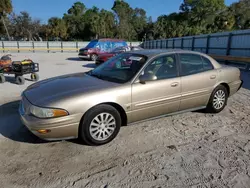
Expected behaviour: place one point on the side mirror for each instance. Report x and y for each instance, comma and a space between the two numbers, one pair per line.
147, 77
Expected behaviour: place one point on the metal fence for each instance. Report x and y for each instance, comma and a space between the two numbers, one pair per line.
236, 43
45, 46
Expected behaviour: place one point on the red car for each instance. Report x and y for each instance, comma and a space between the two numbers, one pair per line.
100, 46
106, 56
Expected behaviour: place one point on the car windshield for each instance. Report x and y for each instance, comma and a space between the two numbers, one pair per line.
92, 44
119, 69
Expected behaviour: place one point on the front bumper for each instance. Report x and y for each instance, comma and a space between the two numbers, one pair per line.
84, 56
59, 128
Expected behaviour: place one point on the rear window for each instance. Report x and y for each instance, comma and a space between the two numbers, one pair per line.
92, 44
193, 63
207, 64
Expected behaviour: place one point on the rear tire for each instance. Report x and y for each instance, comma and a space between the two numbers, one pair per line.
218, 100
20, 80
100, 125
2, 78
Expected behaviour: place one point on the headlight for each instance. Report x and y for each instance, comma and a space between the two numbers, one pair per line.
47, 113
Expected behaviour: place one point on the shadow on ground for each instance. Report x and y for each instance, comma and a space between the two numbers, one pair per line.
11, 79
90, 65
74, 59
11, 126
245, 76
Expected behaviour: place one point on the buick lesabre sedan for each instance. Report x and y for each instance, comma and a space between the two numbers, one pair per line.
128, 88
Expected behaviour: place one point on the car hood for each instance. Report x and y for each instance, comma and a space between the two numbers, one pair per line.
59, 88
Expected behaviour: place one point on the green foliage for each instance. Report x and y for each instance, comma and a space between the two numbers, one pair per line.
24, 27
5, 7
57, 28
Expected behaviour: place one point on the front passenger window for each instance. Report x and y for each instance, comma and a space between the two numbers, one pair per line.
163, 67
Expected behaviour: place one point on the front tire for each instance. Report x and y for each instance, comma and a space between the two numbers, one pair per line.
94, 57
100, 125
20, 80
218, 100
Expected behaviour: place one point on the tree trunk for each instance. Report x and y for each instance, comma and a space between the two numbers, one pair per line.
7, 32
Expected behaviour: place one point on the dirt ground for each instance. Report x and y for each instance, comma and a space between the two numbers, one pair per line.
187, 150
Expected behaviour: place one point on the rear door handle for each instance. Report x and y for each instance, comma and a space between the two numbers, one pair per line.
174, 84
212, 77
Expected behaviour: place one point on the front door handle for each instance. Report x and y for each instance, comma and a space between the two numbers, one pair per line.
212, 77
174, 84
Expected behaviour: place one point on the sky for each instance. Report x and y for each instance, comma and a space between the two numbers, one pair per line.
45, 9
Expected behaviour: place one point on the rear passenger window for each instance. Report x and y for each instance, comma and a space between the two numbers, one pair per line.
207, 64
191, 64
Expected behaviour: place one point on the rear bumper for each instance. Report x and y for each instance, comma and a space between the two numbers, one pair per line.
240, 85
235, 86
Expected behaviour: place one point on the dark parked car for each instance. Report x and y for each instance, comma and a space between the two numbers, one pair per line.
106, 56
97, 47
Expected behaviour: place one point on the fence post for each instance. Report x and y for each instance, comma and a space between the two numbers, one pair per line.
228, 46
229, 43
77, 46
161, 44
208, 44
193, 40
3, 46
173, 43
18, 49
167, 44
61, 46
181, 42
33, 45
48, 46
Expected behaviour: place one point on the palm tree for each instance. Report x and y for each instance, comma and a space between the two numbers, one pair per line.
5, 8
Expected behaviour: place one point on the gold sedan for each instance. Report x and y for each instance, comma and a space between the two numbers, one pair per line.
130, 87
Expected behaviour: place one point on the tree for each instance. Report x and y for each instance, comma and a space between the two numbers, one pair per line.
201, 13
123, 15
57, 28
5, 8
241, 12
75, 20
139, 22
23, 26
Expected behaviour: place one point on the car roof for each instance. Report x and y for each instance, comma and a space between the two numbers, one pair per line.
156, 52
109, 39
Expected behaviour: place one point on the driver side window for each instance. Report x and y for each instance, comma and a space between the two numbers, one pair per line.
164, 67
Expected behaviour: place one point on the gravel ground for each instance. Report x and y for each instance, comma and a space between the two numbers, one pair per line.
187, 150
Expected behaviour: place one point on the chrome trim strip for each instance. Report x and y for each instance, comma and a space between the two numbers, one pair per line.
158, 100
166, 115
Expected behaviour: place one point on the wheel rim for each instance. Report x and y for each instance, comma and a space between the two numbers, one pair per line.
33, 77
102, 126
94, 57
219, 99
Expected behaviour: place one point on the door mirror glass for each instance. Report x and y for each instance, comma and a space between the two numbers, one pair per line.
147, 77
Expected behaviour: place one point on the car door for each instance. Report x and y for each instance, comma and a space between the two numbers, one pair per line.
160, 96
198, 78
